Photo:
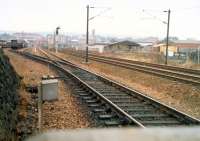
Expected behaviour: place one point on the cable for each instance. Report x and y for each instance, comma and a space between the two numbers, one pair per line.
155, 17
102, 12
188, 8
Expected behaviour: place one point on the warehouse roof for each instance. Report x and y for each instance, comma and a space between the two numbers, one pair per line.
186, 42
126, 42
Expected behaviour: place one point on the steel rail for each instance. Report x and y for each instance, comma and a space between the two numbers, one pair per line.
184, 75
163, 106
114, 106
161, 66
167, 67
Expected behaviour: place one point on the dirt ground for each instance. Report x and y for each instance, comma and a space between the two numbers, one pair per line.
64, 113
68, 113
152, 58
183, 97
35, 51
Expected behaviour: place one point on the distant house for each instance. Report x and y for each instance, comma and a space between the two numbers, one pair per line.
172, 49
99, 47
123, 46
185, 46
28, 36
178, 47
145, 44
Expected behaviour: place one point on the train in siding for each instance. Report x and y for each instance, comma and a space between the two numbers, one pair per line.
3, 44
17, 44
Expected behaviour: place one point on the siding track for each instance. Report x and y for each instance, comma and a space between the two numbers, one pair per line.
185, 75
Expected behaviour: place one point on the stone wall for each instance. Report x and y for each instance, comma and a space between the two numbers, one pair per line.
9, 83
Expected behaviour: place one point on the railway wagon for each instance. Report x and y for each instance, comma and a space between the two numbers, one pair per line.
17, 44
3, 44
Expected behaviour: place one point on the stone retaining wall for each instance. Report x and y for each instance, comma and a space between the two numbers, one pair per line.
9, 83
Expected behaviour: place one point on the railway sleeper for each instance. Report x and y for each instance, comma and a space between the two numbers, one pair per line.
113, 123
131, 105
83, 94
90, 97
118, 121
113, 94
84, 77
94, 105
142, 111
78, 89
118, 96
135, 109
121, 98
92, 101
160, 122
156, 118
103, 90
151, 116
81, 90
106, 116
172, 114
118, 101
99, 110
101, 84
136, 105
132, 108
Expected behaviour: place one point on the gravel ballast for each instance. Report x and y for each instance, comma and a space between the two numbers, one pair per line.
61, 114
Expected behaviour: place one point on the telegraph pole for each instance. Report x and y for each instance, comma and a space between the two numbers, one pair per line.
56, 38
87, 36
87, 30
198, 55
167, 42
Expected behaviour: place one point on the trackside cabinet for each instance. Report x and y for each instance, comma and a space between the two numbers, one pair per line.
49, 89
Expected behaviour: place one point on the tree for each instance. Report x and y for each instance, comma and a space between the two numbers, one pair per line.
171, 39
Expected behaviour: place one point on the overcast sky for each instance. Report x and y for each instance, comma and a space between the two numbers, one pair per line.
135, 18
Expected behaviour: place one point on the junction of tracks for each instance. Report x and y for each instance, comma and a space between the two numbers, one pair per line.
111, 103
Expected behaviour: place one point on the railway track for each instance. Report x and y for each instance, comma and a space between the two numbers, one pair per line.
171, 72
113, 104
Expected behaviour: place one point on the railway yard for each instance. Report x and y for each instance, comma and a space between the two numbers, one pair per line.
99, 70
106, 92
148, 84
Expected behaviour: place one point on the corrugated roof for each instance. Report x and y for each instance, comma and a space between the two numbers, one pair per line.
126, 42
186, 42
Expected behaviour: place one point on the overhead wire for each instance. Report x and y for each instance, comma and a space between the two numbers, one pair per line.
100, 13
153, 16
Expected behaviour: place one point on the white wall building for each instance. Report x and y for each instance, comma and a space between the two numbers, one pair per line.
98, 47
